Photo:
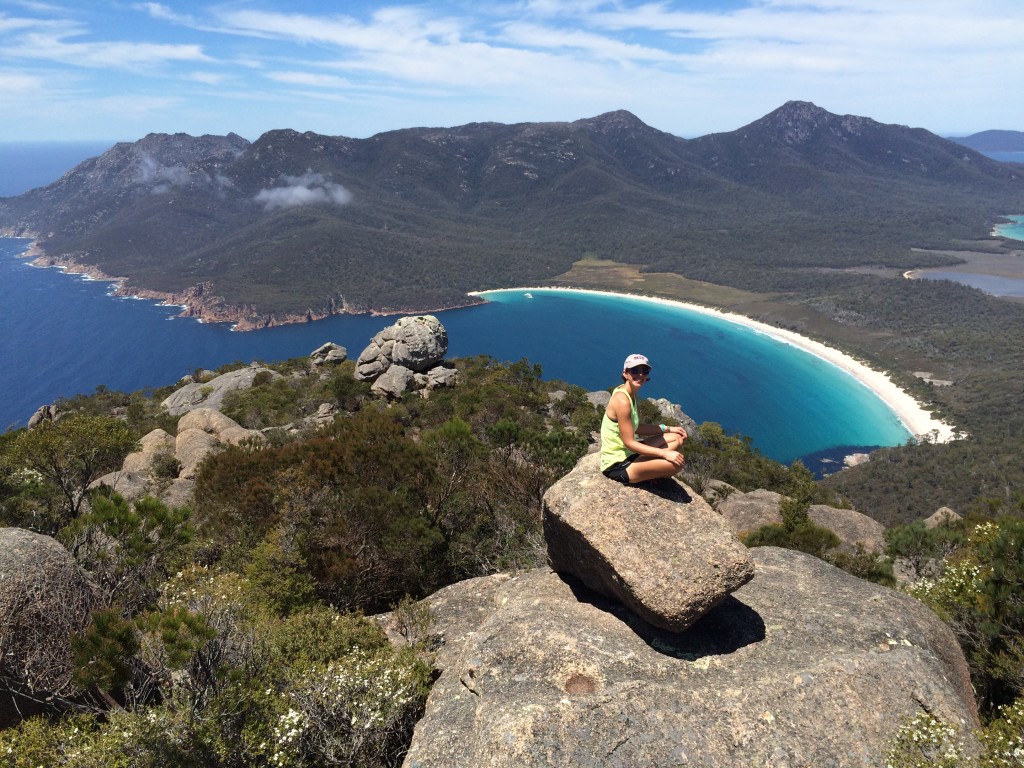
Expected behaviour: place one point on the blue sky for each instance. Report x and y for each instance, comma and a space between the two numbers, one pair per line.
117, 70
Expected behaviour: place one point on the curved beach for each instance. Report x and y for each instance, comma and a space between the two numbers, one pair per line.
912, 414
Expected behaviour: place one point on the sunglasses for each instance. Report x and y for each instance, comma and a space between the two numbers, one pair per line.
640, 370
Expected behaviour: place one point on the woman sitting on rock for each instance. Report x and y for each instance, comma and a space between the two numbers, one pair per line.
630, 451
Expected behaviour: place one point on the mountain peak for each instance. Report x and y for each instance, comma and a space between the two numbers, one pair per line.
618, 121
797, 122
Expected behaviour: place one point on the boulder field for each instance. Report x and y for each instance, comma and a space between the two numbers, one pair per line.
787, 662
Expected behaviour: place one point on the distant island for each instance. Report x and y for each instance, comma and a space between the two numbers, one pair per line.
993, 141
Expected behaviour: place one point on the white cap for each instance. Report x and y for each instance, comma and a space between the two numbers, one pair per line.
634, 360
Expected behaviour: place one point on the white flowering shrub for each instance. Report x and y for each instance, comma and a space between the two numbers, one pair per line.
959, 584
1003, 740
124, 740
926, 742
356, 711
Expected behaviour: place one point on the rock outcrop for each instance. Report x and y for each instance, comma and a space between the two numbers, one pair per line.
942, 516
43, 413
656, 547
417, 343
211, 394
803, 666
328, 354
746, 512
152, 446
200, 432
407, 355
45, 599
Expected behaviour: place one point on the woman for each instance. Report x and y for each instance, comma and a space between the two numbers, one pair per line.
630, 451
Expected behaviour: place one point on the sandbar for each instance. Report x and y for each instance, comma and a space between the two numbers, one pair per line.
920, 422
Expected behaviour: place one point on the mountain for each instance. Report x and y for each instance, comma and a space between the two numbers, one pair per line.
993, 141
298, 225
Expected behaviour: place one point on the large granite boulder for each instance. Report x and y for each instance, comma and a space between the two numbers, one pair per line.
45, 599
43, 413
211, 394
393, 382
154, 444
803, 666
674, 412
747, 512
656, 547
854, 529
328, 354
417, 343
942, 516
191, 446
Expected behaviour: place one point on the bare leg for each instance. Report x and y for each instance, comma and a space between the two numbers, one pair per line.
651, 468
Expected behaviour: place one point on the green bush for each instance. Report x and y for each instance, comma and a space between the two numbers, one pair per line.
129, 549
980, 594
804, 537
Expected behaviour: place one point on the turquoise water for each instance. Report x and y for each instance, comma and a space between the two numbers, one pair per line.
1014, 230
792, 403
64, 335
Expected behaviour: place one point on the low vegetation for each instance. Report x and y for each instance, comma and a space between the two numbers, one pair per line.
234, 632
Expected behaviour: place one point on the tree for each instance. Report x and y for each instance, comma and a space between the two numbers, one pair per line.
71, 453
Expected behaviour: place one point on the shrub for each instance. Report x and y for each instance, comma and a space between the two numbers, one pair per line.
926, 742
128, 548
804, 537
980, 594
357, 711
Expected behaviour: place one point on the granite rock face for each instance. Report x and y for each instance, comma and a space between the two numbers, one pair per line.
211, 394
200, 432
746, 512
656, 547
417, 343
329, 353
154, 444
803, 666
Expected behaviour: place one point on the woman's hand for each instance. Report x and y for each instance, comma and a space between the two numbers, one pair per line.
675, 457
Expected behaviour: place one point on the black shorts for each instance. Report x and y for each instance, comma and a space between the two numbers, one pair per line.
617, 471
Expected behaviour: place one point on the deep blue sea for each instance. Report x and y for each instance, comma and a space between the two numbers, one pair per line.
64, 335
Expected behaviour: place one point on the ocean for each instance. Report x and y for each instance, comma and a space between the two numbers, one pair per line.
65, 335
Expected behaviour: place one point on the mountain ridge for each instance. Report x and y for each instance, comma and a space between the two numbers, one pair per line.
295, 226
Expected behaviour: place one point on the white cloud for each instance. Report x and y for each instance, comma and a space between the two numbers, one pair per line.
19, 82
308, 189
117, 55
310, 79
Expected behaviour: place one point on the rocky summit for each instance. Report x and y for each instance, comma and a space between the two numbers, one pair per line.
803, 666
657, 547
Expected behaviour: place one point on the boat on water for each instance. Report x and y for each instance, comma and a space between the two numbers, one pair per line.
528, 295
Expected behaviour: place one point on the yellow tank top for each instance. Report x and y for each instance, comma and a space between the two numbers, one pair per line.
612, 447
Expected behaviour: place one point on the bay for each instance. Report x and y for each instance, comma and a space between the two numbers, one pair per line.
64, 335
1014, 229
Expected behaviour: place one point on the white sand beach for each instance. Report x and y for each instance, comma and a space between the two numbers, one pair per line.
912, 414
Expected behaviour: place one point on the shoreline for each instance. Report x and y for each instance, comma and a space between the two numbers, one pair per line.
199, 302
918, 421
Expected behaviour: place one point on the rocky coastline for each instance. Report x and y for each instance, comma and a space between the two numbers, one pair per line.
201, 302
